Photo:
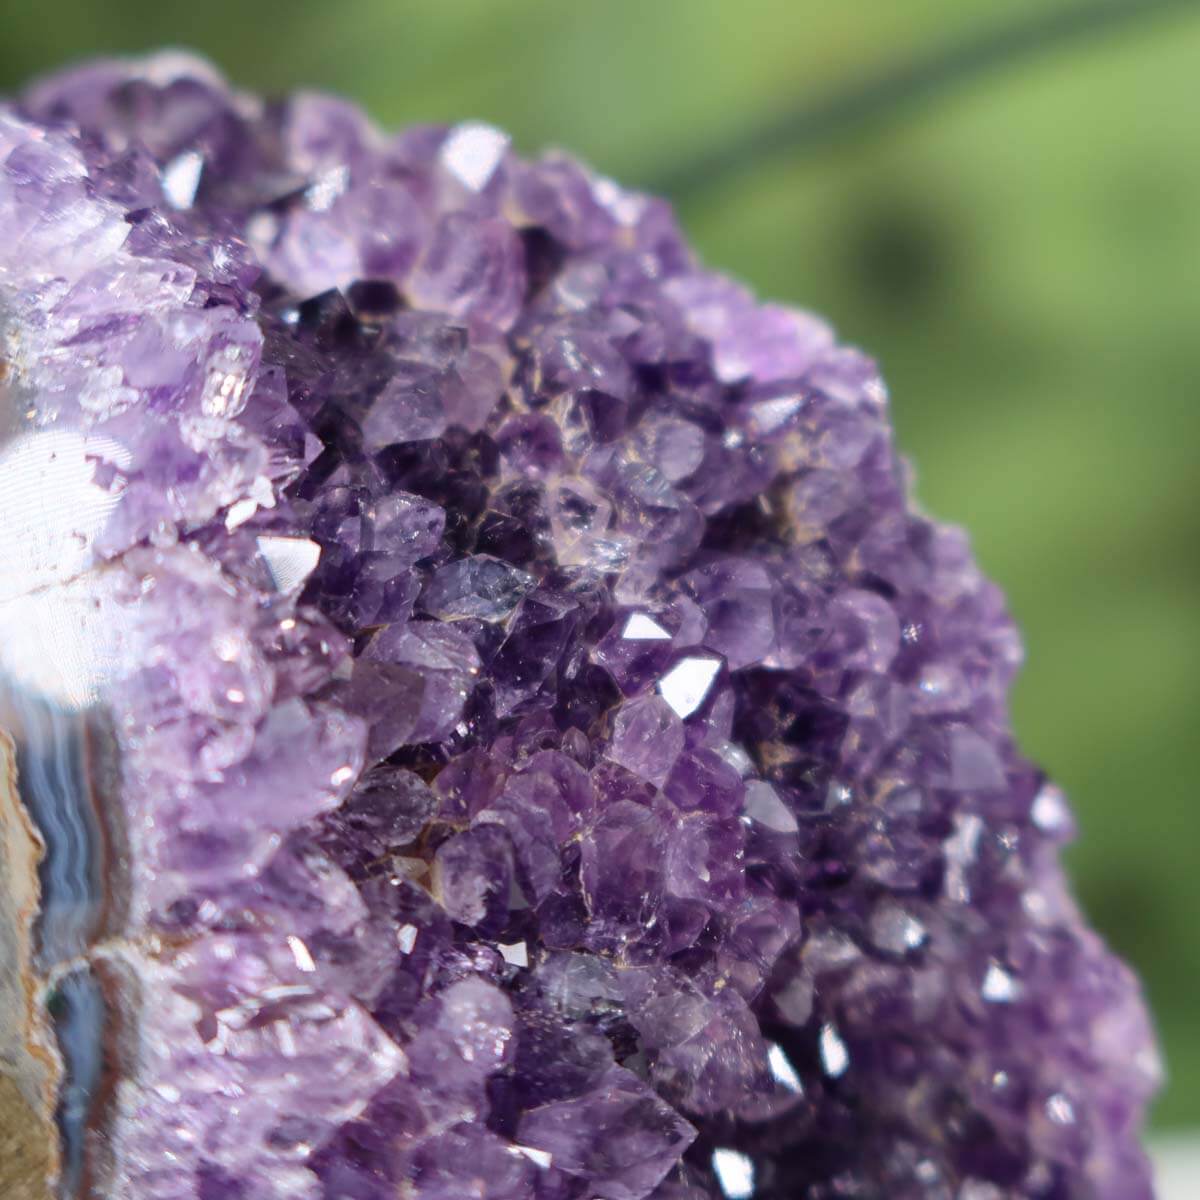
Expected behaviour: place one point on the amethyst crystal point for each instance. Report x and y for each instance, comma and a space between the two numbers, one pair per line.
489, 719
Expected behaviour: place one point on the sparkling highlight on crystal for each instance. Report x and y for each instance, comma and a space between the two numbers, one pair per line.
538, 750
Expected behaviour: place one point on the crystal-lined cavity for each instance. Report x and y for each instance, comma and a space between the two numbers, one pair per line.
495, 724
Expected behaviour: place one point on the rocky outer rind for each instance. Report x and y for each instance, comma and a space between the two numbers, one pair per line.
556, 761
28, 1065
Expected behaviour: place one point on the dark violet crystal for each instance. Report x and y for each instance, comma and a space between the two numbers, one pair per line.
537, 749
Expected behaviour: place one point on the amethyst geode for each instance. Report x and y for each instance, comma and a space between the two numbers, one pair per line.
494, 724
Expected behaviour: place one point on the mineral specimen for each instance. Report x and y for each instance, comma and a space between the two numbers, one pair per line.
493, 723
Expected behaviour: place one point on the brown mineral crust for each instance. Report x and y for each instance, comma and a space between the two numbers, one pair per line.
101, 775
29, 1065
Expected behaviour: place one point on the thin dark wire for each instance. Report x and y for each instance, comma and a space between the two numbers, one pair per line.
903, 87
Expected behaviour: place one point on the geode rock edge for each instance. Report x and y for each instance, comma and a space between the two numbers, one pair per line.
494, 723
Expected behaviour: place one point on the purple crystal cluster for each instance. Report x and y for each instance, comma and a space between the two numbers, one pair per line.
556, 761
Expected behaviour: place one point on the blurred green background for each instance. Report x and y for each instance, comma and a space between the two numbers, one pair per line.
1022, 253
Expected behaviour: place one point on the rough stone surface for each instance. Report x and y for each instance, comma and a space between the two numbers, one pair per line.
28, 1069
557, 760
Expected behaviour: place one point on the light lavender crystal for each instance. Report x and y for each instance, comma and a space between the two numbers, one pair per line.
514, 736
